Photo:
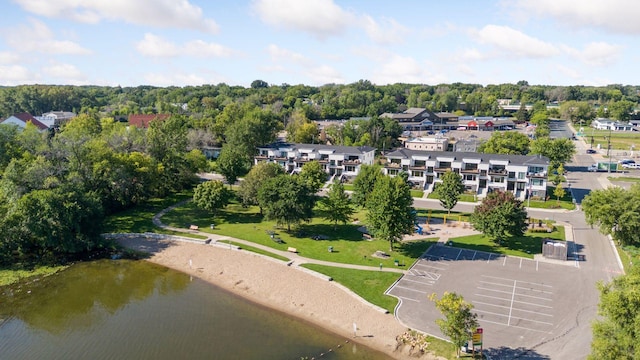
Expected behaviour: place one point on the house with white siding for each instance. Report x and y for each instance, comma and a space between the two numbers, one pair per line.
339, 161
523, 175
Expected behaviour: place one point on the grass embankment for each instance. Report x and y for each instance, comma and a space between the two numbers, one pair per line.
463, 197
369, 285
139, 218
414, 193
624, 179
14, 274
524, 246
255, 250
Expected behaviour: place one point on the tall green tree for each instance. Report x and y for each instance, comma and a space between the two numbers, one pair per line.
286, 200
616, 212
337, 205
449, 190
313, 175
259, 173
511, 142
616, 332
232, 163
390, 212
559, 151
364, 183
459, 321
211, 196
500, 215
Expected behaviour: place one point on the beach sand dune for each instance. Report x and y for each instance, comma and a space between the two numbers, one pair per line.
280, 287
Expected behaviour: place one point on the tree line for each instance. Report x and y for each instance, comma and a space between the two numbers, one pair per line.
330, 101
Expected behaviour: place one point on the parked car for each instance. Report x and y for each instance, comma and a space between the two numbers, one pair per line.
591, 151
630, 166
626, 161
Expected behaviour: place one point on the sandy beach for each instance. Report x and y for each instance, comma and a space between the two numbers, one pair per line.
280, 287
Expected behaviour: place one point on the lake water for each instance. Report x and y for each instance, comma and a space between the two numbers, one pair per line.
137, 310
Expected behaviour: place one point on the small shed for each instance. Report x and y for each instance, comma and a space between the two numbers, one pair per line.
554, 249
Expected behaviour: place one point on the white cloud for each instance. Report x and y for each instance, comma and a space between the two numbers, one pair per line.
16, 75
69, 74
7, 57
321, 18
37, 37
389, 32
620, 16
596, 53
155, 46
325, 74
568, 71
179, 78
472, 55
158, 13
514, 42
402, 69
279, 54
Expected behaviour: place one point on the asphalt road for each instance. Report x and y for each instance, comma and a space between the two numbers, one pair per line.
571, 335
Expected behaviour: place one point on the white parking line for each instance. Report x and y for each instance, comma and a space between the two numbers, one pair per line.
513, 295
489, 259
431, 266
410, 289
516, 309
514, 317
514, 292
519, 287
460, 252
505, 261
524, 282
516, 326
406, 298
428, 282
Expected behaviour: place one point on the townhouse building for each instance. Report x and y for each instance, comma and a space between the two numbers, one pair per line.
481, 173
341, 161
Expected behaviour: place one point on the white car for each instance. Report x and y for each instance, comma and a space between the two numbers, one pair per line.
630, 166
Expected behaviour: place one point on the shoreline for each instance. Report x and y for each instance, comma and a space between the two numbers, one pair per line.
281, 288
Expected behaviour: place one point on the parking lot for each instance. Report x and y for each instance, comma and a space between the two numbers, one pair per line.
519, 302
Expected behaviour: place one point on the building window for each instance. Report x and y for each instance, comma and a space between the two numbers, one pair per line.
417, 173
393, 172
520, 186
350, 168
470, 177
537, 182
430, 169
521, 175
497, 179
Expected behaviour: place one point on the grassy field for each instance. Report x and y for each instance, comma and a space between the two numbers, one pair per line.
370, 285
623, 178
523, 246
414, 193
139, 218
349, 247
566, 202
620, 140
463, 197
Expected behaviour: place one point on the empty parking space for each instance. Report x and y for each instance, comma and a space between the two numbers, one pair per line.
513, 297
517, 303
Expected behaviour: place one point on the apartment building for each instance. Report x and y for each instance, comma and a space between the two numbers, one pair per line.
481, 173
335, 160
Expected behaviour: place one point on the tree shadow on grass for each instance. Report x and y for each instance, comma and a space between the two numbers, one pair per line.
347, 232
517, 353
414, 249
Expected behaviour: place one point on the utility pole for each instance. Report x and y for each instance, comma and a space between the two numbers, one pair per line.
609, 150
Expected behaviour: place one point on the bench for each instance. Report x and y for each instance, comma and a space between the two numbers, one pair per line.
292, 249
278, 240
193, 227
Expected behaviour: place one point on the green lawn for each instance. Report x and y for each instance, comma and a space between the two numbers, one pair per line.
624, 178
566, 202
255, 250
414, 193
442, 214
369, 285
463, 197
620, 140
138, 219
523, 246
347, 242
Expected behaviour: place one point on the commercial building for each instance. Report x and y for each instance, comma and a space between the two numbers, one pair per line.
481, 173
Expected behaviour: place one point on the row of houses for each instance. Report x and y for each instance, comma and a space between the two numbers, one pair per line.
56, 118
524, 176
614, 125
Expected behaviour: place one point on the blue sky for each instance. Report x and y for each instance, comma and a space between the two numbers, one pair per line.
316, 42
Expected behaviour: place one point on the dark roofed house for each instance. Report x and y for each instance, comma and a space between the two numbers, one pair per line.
21, 120
143, 120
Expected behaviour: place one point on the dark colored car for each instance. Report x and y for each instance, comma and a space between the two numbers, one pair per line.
591, 151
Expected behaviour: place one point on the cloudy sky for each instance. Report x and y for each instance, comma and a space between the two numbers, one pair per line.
315, 42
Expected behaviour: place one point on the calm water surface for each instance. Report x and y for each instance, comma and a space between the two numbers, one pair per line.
137, 310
